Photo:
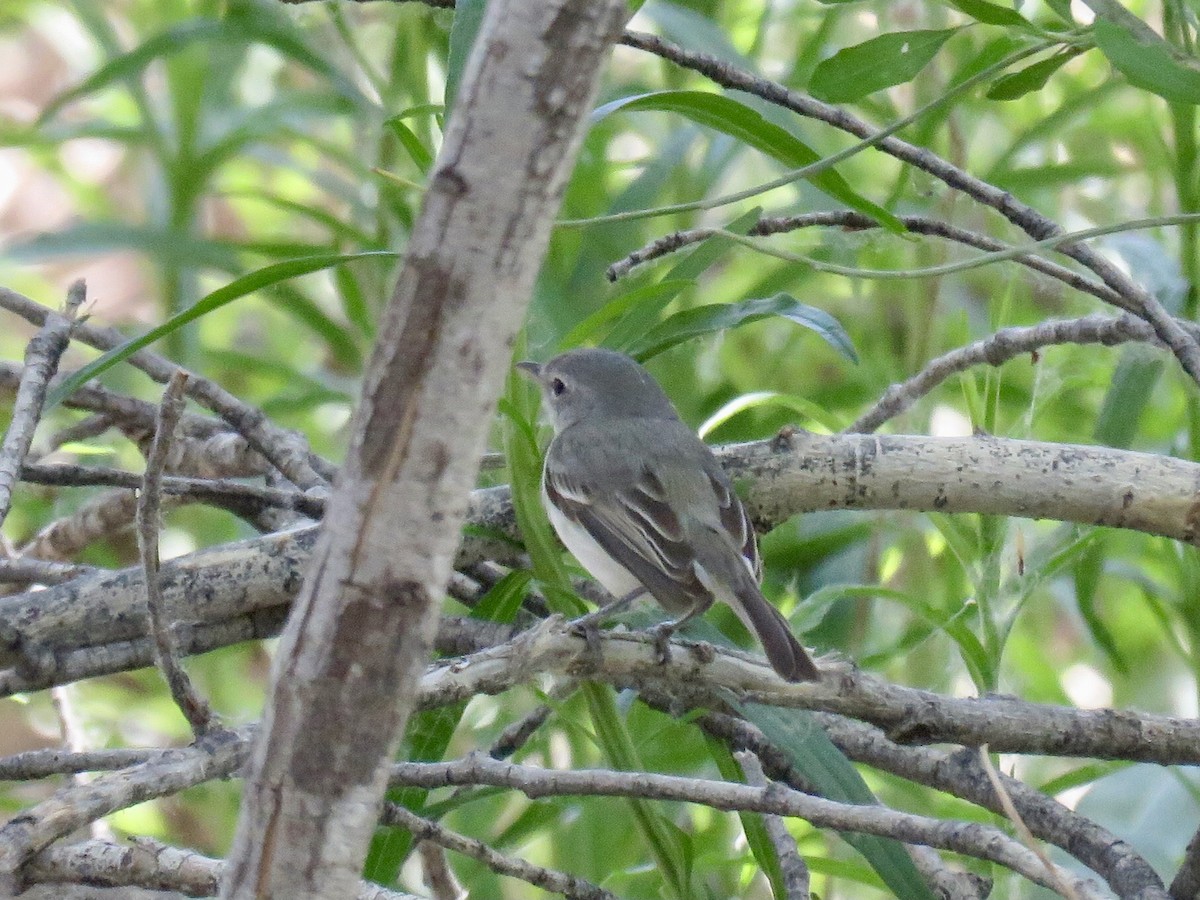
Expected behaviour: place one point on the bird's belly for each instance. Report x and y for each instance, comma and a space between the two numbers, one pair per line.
615, 578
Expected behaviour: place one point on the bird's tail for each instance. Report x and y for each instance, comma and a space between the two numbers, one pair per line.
784, 652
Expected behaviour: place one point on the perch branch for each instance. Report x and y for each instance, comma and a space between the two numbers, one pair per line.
968, 838
546, 879
193, 706
41, 362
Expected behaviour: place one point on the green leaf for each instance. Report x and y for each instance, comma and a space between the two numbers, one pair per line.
1149, 62
408, 139
1031, 78
881, 62
747, 125
236, 289
501, 602
797, 733
1088, 569
993, 14
589, 329
1128, 394
130, 64
752, 823
468, 16
642, 317
706, 320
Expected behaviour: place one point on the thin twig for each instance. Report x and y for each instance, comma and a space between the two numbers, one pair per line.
960, 774
437, 874
1134, 298
769, 225
1186, 883
34, 764
287, 450
194, 707
968, 838
206, 447
548, 879
218, 490
791, 863
76, 805
41, 571
1023, 832
102, 516
997, 349
149, 864
41, 362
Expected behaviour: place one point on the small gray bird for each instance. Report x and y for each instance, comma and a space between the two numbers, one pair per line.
644, 504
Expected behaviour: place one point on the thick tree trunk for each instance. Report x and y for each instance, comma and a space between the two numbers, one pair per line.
361, 630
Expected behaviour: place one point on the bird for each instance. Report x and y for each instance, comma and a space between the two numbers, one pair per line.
644, 505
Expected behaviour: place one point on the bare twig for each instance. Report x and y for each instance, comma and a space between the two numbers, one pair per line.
968, 838
547, 879
41, 571
34, 764
848, 219
74, 806
147, 863
1133, 298
286, 450
997, 349
222, 491
1186, 883
700, 675
791, 863
455, 637
1023, 832
437, 874
41, 362
92, 426
961, 775
194, 707
102, 516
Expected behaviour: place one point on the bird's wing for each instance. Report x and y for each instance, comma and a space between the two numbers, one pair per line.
624, 509
734, 516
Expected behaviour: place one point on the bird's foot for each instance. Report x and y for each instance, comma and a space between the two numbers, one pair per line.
662, 635
588, 628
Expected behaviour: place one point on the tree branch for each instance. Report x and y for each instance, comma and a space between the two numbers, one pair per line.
41, 362
362, 627
970, 839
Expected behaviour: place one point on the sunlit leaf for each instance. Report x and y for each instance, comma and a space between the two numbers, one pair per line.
879, 63
706, 320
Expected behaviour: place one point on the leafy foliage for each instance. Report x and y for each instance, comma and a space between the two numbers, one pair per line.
204, 152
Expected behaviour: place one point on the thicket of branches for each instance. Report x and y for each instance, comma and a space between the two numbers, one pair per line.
928, 275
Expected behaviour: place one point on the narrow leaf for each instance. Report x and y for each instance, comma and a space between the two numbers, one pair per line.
236, 289
993, 14
797, 733
1031, 78
747, 125
1149, 62
706, 320
879, 63
468, 16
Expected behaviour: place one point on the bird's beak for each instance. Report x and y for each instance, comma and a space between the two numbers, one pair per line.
531, 369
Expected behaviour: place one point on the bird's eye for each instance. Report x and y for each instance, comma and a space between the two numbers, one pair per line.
557, 386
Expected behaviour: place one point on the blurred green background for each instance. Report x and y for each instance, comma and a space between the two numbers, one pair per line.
162, 148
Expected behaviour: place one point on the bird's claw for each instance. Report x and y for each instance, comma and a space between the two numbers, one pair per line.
662, 642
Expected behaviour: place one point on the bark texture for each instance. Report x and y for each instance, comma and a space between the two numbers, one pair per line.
344, 681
